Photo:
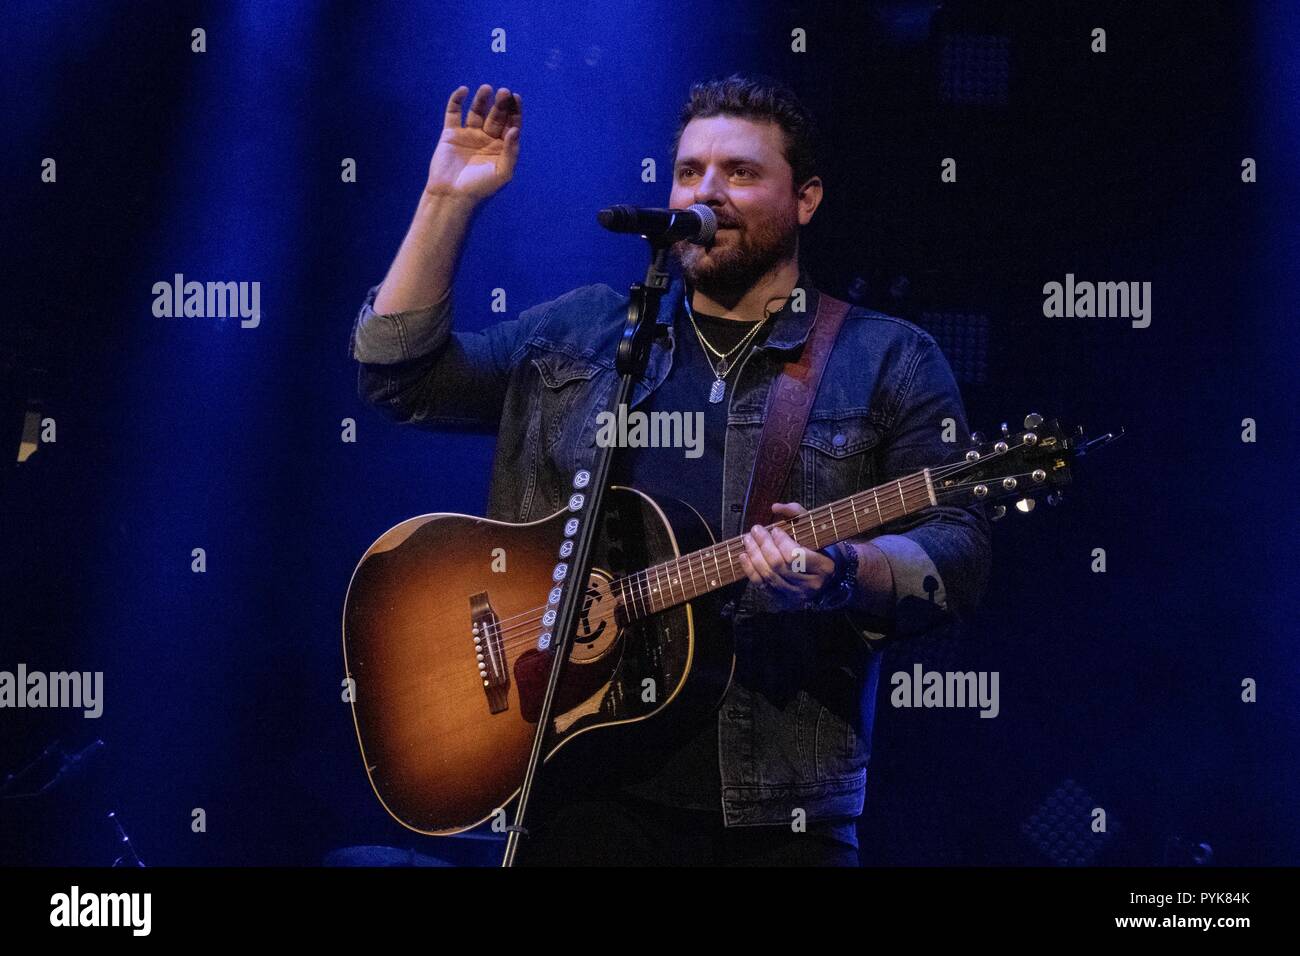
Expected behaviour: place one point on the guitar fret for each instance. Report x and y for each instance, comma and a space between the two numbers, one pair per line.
628, 593
929, 488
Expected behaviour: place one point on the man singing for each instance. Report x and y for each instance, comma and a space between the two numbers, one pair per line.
778, 777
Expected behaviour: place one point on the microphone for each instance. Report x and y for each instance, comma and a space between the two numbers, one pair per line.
696, 224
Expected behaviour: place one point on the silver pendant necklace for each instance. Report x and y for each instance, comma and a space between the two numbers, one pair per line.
718, 390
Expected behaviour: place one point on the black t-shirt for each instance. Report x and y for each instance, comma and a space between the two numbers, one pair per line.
689, 777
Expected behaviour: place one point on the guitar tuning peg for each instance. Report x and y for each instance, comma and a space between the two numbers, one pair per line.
1006, 432
977, 438
999, 512
1025, 505
1033, 420
1054, 498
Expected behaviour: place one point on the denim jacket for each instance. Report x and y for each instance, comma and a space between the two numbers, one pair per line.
795, 726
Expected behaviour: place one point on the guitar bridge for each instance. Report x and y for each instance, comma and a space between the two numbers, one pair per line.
489, 652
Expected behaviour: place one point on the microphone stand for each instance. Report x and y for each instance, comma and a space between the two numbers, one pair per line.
632, 358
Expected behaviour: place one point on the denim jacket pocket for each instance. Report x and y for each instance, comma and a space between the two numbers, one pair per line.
840, 752
564, 380
836, 455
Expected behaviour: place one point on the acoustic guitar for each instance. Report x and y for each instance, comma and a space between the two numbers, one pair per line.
447, 622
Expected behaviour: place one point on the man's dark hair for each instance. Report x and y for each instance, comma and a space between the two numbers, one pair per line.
758, 98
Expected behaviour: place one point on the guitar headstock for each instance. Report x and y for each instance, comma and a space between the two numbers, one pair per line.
1026, 465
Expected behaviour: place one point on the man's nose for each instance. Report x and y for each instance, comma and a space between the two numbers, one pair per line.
709, 189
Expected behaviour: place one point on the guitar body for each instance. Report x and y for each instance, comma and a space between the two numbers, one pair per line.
443, 747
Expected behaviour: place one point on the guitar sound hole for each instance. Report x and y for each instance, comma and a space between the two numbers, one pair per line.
597, 631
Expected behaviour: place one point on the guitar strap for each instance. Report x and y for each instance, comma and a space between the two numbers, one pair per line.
788, 406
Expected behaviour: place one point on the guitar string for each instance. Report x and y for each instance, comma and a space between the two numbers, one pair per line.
639, 593
917, 480
524, 628
525, 633
637, 589
452, 687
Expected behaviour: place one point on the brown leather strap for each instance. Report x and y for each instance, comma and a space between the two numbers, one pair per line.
788, 407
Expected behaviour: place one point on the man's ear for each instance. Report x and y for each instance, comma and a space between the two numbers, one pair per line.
810, 197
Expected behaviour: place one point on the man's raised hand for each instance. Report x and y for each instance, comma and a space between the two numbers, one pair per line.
475, 158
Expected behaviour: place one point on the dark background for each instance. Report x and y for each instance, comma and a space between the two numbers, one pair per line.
222, 690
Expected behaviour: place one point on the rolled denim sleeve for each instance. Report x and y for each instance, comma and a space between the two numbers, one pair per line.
401, 336
415, 369
939, 556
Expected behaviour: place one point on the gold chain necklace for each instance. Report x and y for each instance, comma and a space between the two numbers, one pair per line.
720, 370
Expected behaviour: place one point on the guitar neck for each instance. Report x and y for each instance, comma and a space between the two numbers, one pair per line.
701, 572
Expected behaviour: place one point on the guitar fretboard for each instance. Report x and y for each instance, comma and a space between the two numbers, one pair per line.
700, 572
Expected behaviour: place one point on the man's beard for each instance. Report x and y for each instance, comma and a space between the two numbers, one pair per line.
731, 266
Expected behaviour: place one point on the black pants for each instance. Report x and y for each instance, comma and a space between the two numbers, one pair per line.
618, 830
